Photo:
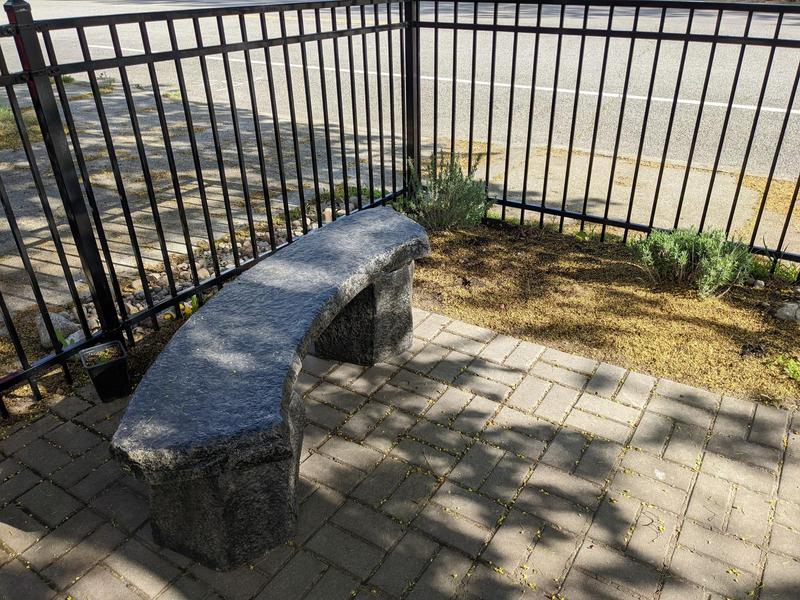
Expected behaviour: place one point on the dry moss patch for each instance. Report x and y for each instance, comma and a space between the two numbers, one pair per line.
590, 298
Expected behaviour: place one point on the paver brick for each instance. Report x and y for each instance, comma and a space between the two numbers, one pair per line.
142, 567
450, 367
493, 390
513, 441
362, 458
769, 426
598, 460
404, 563
403, 399
410, 496
685, 445
18, 530
317, 366
344, 374
342, 477
17, 581
442, 577
315, 511
475, 415
18, 437
381, 482
100, 583
569, 361
368, 524
448, 406
650, 490
73, 439
42, 457
724, 548
345, 551
62, 538
734, 417
754, 478
605, 562
337, 397
18, 483
556, 482
373, 378
527, 395
513, 541
496, 372
430, 326
607, 408
471, 331
476, 465
239, 584
486, 583
389, 430
507, 477
524, 355
439, 436
77, 561
556, 403
780, 578
49, 503
553, 509
422, 455
722, 578
459, 343
606, 428
682, 409
740, 450
466, 504
452, 529
605, 381
635, 390
565, 450
427, 358
663, 470
360, 424
498, 349
556, 374
785, 540
333, 585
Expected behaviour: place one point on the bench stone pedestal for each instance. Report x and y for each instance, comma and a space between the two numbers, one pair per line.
375, 325
226, 519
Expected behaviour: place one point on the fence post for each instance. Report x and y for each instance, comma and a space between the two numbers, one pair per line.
411, 77
52, 127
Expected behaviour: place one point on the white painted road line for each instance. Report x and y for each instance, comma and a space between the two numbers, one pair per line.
498, 84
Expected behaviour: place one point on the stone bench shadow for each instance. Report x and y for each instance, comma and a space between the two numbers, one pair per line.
214, 427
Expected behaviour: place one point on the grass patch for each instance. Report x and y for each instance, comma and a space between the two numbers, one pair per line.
9, 134
591, 298
784, 271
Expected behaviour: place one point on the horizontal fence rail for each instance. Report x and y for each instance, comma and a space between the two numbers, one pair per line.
147, 158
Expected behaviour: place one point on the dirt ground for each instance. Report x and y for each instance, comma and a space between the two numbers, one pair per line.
590, 298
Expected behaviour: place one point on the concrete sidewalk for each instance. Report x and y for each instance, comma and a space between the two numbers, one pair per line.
475, 465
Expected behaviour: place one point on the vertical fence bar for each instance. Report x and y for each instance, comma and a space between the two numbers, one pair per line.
597, 111
756, 120
435, 82
262, 161
553, 106
575, 102
276, 128
323, 82
392, 126
354, 105
510, 112
44, 103
491, 97
379, 79
645, 122
454, 86
726, 120
411, 80
620, 123
665, 153
367, 105
212, 118
472, 86
531, 106
337, 62
310, 116
697, 122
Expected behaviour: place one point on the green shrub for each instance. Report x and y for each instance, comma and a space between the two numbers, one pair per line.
707, 261
790, 366
447, 199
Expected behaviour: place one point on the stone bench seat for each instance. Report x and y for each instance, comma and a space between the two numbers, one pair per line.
214, 427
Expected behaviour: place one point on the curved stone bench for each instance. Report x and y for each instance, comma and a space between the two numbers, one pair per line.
214, 427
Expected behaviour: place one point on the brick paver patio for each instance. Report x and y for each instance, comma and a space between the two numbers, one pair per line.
475, 465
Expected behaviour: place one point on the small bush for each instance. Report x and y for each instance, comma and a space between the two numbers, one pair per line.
448, 198
790, 366
707, 261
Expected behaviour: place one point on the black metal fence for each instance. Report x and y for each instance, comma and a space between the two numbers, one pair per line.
148, 157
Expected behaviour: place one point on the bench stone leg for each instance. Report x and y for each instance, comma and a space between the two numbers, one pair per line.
375, 325
232, 518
